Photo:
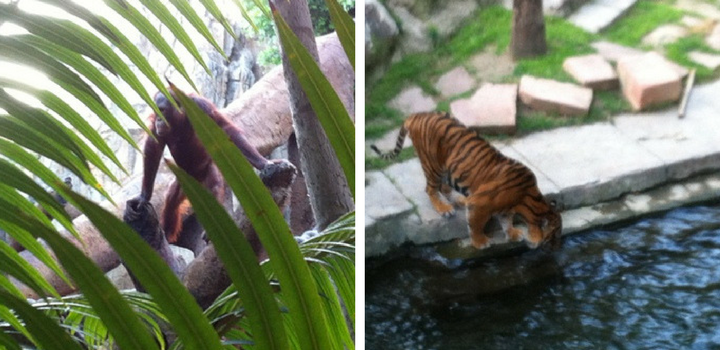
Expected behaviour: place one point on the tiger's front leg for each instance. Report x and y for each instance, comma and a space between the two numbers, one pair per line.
442, 207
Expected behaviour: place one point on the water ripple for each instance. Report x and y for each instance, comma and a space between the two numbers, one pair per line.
652, 285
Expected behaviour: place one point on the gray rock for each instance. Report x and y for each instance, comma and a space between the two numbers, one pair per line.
455, 82
412, 100
381, 32
492, 109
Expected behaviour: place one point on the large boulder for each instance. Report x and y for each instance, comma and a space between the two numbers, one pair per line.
381, 33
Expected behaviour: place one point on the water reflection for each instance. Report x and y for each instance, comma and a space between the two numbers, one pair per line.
651, 285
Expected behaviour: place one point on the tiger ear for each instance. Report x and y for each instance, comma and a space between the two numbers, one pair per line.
554, 204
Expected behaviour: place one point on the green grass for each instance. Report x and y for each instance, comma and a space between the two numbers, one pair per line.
376, 163
678, 52
641, 20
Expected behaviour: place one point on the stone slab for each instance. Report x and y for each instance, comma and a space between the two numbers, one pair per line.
689, 145
709, 60
614, 52
382, 198
665, 34
548, 188
553, 96
410, 181
713, 40
649, 80
413, 100
571, 157
455, 82
599, 14
492, 109
591, 71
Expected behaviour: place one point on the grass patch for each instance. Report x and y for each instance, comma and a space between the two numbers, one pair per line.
642, 18
376, 163
564, 40
679, 50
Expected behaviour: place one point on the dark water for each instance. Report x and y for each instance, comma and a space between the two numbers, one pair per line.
652, 285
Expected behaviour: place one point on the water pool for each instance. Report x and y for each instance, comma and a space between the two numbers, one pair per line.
654, 284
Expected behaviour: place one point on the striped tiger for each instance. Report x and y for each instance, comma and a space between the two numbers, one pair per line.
453, 156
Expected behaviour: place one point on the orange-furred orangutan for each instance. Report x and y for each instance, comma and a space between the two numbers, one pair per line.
189, 154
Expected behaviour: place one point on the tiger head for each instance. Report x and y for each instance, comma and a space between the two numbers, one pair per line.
552, 228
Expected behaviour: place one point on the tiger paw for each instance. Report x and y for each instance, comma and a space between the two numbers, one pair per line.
448, 214
480, 242
532, 244
514, 234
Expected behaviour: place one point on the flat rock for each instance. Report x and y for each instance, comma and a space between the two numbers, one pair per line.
649, 80
382, 198
713, 40
413, 100
598, 14
570, 157
691, 21
664, 35
592, 71
709, 60
492, 109
614, 52
554, 96
455, 82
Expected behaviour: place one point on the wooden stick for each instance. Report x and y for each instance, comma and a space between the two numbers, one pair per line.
688, 87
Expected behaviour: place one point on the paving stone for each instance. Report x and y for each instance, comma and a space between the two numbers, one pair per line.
412, 100
614, 52
708, 9
592, 71
570, 158
410, 181
455, 82
492, 109
382, 198
648, 80
713, 40
598, 14
691, 21
664, 35
553, 96
386, 144
548, 188
709, 60
688, 146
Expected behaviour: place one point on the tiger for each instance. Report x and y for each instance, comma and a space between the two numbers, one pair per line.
453, 156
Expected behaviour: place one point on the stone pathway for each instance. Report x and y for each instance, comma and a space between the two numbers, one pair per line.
599, 14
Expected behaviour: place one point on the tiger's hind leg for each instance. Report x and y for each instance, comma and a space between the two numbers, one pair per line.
478, 216
514, 234
442, 207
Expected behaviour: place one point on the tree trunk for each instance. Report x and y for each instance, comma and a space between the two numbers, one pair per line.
329, 193
528, 31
